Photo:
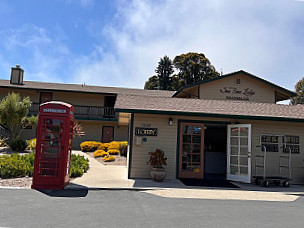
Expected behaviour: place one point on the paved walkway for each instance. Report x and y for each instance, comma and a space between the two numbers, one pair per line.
115, 177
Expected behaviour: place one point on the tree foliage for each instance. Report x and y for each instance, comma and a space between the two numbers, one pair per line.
14, 114
190, 67
164, 71
194, 67
152, 83
299, 99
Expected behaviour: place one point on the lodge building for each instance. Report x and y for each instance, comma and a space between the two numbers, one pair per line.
211, 128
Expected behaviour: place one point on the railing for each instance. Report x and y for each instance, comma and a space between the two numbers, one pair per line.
84, 112
4, 132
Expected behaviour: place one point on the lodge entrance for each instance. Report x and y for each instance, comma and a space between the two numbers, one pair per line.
202, 150
191, 162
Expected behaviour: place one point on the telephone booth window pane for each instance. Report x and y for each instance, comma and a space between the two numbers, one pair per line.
51, 147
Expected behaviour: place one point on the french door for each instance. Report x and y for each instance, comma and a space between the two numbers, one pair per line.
239, 153
191, 150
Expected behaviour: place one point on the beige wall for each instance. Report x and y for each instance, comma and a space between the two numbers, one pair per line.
167, 141
79, 98
212, 90
34, 95
69, 97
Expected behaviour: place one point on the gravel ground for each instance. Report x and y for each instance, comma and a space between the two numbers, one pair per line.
119, 160
24, 182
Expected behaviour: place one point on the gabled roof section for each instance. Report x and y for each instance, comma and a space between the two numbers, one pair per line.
81, 88
209, 108
284, 93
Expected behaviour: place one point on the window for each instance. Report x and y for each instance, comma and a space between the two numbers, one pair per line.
276, 143
271, 142
237, 81
292, 142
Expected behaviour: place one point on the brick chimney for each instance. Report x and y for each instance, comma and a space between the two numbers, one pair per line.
17, 75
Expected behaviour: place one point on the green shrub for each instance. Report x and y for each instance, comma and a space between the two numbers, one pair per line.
79, 165
16, 165
18, 144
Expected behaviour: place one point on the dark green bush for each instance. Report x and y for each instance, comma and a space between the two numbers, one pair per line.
16, 165
18, 144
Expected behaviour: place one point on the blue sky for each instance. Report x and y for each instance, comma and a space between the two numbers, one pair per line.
119, 42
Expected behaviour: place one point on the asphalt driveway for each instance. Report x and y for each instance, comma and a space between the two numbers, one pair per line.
122, 208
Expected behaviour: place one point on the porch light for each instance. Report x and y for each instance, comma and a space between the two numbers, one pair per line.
170, 121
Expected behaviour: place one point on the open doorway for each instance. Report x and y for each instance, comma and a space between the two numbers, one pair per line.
215, 151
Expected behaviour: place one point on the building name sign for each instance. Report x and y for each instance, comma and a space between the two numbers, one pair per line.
234, 93
141, 131
54, 110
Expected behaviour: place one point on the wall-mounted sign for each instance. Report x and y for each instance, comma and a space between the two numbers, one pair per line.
142, 131
237, 94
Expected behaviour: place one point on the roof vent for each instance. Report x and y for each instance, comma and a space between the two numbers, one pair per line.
17, 75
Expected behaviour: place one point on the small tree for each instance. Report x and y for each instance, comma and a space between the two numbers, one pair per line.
14, 114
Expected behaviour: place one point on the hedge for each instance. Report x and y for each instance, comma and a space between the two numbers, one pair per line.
16, 165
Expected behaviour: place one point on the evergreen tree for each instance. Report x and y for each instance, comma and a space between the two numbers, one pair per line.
164, 71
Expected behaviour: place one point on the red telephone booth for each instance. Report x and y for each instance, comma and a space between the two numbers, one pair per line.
54, 146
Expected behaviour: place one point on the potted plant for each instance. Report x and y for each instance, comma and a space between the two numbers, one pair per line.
157, 159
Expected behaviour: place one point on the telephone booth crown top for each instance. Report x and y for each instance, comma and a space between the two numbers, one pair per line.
56, 108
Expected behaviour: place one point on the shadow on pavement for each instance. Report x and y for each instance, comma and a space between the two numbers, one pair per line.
74, 191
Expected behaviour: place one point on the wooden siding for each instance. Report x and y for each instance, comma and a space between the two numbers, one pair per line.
79, 99
69, 97
167, 141
263, 92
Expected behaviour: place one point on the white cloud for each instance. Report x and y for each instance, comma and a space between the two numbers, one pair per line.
41, 56
250, 35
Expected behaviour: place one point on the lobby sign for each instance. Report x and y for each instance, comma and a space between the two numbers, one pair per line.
142, 131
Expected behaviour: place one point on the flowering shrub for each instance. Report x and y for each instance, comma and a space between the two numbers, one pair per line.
123, 148
109, 158
103, 146
114, 145
31, 144
99, 153
90, 146
113, 152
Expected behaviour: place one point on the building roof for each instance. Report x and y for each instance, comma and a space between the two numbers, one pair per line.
211, 108
279, 88
46, 86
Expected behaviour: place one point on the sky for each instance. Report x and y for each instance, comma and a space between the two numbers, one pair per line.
119, 42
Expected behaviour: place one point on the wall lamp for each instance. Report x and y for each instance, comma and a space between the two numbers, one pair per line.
170, 121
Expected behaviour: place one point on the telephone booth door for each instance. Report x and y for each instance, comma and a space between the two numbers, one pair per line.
54, 146
51, 147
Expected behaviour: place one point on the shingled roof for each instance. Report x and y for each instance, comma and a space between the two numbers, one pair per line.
212, 108
84, 88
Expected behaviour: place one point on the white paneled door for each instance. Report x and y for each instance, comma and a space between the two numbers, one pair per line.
239, 152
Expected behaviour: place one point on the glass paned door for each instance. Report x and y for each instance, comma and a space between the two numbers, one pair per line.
51, 147
239, 152
191, 150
